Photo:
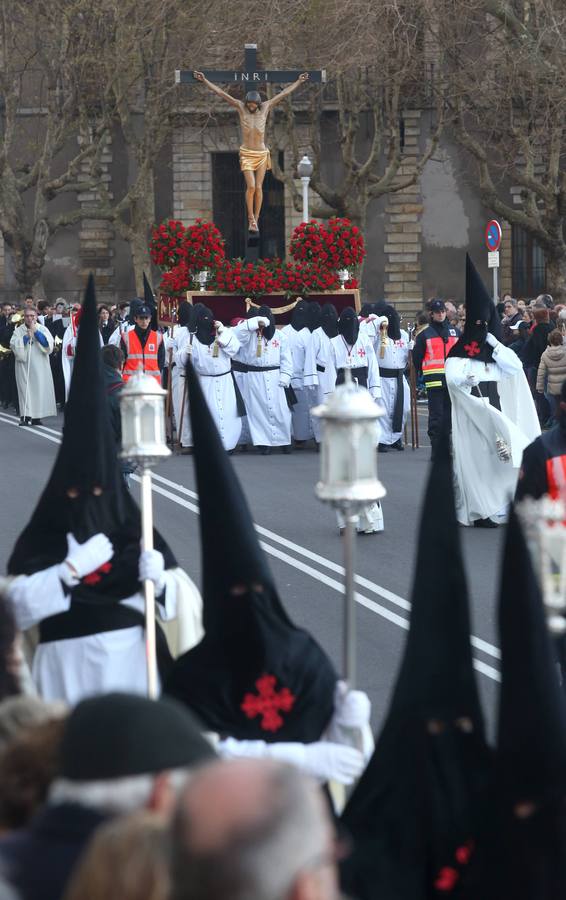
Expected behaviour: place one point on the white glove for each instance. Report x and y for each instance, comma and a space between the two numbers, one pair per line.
152, 568
82, 559
472, 380
219, 327
263, 320
491, 340
371, 318
255, 322
333, 762
383, 320
284, 382
352, 709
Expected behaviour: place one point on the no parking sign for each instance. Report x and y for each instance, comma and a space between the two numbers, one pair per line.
493, 236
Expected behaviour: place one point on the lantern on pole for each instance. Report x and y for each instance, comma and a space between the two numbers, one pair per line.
142, 410
544, 521
349, 481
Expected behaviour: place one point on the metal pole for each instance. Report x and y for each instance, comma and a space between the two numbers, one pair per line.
148, 586
349, 636
495, 285
306, 180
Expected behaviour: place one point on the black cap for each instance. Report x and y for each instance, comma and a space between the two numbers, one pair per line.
118, 735
142, 310
437, 306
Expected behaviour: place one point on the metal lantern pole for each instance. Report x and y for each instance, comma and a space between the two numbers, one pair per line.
148, 585
349, 637
142, 409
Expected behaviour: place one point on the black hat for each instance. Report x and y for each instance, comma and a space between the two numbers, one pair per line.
134, 307
437, 306
142, 310
530, 787
120, 735
479, 308
419, 805
255, 675
86, 493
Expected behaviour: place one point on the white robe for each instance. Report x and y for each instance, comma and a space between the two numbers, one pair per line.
75, 668
171, 341
116, 335
390, 355
215, 376
68, 351
304, 380
269, 417
485, 485
36, 393
326, 376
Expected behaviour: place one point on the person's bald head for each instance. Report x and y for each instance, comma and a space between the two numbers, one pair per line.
252, 828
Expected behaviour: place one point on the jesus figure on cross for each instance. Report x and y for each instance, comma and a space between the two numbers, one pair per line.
255, 158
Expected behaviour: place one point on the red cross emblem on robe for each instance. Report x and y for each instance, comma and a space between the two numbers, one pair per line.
472, 349
268, 703
361, 352
96, 576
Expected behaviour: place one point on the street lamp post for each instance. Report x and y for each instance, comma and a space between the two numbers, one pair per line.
305, 170
348, 482
143, 441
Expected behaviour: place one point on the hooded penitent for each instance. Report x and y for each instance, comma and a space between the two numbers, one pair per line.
393, 319
417, 810
480, 308
300, 316
349, 326
186, 314
86, 493
313, 315
529, 860
255, 675
329, 320
267, 313
149, 300
204, 329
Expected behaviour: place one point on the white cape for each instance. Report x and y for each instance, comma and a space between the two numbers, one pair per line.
485, 485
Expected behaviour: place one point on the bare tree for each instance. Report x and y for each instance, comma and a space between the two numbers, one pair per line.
47, 59
510, 112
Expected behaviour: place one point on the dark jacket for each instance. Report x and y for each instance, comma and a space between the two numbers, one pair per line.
107, 330
537, 344
38, 860
508, 335
114, 387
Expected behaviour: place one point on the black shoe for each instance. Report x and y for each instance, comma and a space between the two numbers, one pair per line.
300, 445
36, 422
287, 449
382, 448
264, 451
398, 445
23, 422
485, 523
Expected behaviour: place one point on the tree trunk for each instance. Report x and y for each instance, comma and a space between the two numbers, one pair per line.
556, 274
142, 217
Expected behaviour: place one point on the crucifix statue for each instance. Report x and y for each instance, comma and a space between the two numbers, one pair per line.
255, 158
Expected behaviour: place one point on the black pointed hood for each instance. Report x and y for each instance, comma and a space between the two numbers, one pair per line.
251, 649
204, 329
86, 493
349, 326
418, 807
313, 315
479, 308
329, 320
300, 316
149, 300
267, 313
528, 858
186, 314
393, 319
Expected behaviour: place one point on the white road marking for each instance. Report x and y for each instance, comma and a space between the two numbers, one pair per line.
378, 609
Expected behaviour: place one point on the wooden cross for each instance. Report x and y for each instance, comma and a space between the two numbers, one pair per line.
251, 75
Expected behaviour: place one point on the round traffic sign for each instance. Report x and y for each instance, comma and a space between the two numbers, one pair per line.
493, 235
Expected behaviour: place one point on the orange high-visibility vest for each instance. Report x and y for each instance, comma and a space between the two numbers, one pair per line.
434, 359
142, 359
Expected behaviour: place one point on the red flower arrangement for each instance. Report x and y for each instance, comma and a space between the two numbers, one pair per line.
317, 250
336, 245
200, 246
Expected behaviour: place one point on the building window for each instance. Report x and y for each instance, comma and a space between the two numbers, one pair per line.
529, 266
228, 202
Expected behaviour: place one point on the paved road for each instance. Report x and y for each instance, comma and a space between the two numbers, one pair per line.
301, 537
